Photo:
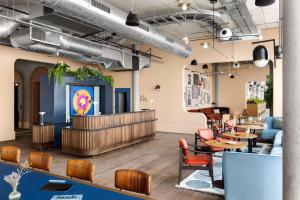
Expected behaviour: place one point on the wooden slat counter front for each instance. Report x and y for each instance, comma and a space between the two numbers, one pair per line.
93, 135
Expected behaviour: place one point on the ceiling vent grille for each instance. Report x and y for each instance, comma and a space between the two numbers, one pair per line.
100, 6
145, 28
40, 35
170, 39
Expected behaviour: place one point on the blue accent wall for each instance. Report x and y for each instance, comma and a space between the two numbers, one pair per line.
53, 101
117, 92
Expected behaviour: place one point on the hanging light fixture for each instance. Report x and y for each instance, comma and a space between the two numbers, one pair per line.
132, 18
205, 45
183, 5
194, 62
185, 38
262, 3
260, 56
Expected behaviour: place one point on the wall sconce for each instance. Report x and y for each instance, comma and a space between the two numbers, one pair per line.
157, 88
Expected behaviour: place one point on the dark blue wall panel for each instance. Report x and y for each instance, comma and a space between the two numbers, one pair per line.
53, 100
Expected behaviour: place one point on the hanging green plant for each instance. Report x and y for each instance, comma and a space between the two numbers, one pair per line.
60, 69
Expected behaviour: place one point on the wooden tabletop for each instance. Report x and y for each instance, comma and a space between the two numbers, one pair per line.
240, 135
223, 144
253, 127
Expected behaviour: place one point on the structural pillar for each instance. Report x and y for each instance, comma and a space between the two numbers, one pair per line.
135, 79
135, 90
217, 84
291, 100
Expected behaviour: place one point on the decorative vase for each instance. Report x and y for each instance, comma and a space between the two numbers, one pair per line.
14, 195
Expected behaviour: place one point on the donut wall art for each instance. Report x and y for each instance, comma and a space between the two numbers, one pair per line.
81, 98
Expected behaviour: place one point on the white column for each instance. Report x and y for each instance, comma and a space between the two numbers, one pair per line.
135, 90
217, 84
291, 100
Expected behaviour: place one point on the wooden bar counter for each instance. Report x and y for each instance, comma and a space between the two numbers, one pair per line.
43, 135
93, 135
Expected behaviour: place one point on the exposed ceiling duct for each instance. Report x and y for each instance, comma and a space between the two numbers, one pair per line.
75, 48
203, 17
107, 16
8, 26
240, 14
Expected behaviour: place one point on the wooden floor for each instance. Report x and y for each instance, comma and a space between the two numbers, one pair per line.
158, 157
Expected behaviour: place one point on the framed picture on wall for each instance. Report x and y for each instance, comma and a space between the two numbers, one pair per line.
196, 79
189, 79
195, 91
188, 96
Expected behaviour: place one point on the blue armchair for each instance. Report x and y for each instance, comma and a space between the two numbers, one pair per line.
252, 176
270, 131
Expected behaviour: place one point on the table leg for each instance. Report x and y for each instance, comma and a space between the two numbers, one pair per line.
249, 145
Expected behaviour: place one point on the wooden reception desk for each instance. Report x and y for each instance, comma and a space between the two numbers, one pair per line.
93, 135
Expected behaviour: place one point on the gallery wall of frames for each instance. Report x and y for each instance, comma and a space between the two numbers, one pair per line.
197, 88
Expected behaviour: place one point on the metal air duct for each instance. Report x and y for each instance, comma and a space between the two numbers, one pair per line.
8, 26
107, 16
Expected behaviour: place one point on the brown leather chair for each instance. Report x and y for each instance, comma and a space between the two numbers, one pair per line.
133, 180
81, 169
40, 160
10, 154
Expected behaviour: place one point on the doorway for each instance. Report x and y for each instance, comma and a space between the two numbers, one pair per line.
122, 100
35, 93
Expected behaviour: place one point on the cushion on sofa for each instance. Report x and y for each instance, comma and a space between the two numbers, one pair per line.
277, 123
276, 151
269, 134
278, 139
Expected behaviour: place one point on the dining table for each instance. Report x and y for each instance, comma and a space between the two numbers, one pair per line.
33, 186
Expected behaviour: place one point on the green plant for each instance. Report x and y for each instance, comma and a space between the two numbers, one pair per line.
269, 92
60, 69
255, 101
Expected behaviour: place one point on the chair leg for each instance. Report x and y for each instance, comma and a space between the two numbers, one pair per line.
211, 173
179, 174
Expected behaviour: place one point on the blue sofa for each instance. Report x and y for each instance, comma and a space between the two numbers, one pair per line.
254, 176
270, 131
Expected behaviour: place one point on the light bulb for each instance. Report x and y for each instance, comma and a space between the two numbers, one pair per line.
205, 45
260, 37
185, 39
184, 7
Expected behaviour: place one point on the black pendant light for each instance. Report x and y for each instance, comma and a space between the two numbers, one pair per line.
262, 3
132, 19
260, 56
194, 62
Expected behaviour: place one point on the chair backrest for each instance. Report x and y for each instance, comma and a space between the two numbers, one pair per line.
133, 180
207, 134
183, 146
216, 129
81, 169
236, 114
40, 160
230, 123
11, 154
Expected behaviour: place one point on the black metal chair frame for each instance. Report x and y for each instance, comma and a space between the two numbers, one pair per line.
182, 166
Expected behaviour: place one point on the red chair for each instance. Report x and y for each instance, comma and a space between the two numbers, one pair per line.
200, 161
203, 135
229, 124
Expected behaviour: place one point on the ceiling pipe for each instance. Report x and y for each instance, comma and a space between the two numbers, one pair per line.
115, 21
8, 26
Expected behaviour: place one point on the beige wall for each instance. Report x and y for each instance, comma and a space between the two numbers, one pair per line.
169, 74
8, 56
233, 91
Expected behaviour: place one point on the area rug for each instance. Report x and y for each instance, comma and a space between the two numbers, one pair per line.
201, 181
